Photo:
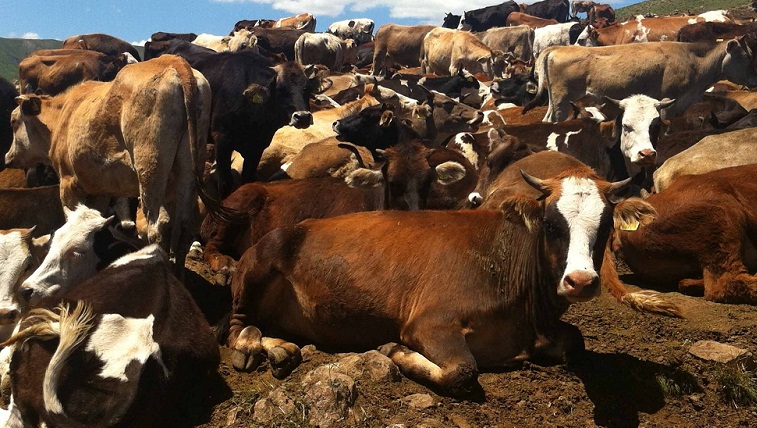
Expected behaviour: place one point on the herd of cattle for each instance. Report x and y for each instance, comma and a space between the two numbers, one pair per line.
531, 147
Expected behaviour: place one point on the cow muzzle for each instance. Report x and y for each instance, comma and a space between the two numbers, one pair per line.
646, 157
579, 286
9, 160
301, 119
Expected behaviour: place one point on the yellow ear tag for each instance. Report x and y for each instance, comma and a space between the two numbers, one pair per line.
420, 115
630, 226
257, 99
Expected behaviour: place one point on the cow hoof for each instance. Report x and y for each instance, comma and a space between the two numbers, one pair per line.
387, 349
195, 251
245, 362
283, 362
128, 225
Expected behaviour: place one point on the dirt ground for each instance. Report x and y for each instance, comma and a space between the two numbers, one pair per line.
637, 371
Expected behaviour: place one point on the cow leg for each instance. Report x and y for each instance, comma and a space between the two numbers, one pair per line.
733, 286
443, 358
691, 287
185, 210
246, 345
223, 164
560, 345
250, 166
71, 194
284, 356
123, 213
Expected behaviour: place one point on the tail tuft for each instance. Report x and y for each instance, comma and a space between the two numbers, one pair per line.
651, 301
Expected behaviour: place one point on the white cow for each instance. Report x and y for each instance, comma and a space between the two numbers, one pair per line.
241, 39
360, 30
551, 35
326, 49
721, 15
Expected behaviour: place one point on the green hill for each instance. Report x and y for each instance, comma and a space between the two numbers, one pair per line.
12, 51
667, 7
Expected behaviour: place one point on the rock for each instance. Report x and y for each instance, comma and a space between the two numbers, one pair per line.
273, 408
710, 350
330, 394
696, 401
307, 352
375, 365
419, 401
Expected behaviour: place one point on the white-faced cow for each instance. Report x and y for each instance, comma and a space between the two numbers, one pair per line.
493, 301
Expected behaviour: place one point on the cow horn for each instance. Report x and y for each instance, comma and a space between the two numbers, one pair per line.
665, 103
536, 183
615, 188
613, 101
354, 151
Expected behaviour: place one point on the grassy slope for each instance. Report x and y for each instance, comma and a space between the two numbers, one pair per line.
665, 7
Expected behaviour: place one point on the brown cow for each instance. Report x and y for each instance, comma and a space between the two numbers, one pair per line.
125, 138
52, 71
517, 18
109, 45
601, 15
28, 208
711, 31
303, 21
445, 52
703, 239
641, 30
398, 44
518, 40
492, 298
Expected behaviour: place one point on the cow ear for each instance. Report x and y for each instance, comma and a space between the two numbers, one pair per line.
523, 210
256, 93
632, 213
386, 118
732, 46
483, 59
449, 172
364, 178
351, 24
30, 105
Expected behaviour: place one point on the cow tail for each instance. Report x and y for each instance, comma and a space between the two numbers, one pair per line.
642, 301
299, 46
540, 68
71, 328
198, 151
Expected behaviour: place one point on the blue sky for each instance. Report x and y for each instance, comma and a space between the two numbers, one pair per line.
136, 20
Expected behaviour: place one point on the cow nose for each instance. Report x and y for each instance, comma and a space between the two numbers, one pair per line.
335, 126
26, 293
8, 316
9, 159
302, 119
647, 156
577, 282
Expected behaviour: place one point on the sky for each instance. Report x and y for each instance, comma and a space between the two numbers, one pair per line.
135, 20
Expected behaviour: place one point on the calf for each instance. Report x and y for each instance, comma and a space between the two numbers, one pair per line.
398, 44
53, 71
326, 49
109, 45
445, 52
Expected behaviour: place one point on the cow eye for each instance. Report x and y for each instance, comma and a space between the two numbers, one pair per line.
627, 129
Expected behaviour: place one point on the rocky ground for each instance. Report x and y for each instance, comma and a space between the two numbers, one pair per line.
639, 370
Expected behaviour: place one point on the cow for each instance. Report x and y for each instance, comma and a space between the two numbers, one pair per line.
711, 31
445, 52
580, 6
558, 10
249, 104
326, 49
364, 56
487, 17
403, 181
556, 35
601, 15
109, 45
304, 22
360, 30
702, 241
721, 15
674, 70
517, 40
451, 21
161, 36
710, 153
437, 305
277, 41
8, 94
418, 87
398, 44
134, 351
640, 30
250, 24
241, 39
125, 139
518, 18
518, 90
39, 208
53, 71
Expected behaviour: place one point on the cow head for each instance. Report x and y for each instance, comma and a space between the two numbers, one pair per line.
31, 137
467, 21
739, 61
291, 88
406, 175
369, 128
20, 254
638, 127
76, 250
451, 21
575, 215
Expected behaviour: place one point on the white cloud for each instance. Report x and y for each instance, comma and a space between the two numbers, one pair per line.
30, 36
427, 9
139, 43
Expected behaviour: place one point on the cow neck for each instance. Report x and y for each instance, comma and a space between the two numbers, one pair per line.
711, 65
356, 106
50, 115
523, 277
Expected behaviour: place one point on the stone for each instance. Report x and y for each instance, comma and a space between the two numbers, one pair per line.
307, 352
709, 350
329, 394
419, 401
275, 407
376, 366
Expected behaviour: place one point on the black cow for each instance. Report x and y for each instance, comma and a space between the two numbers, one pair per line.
519, 89
488, 17
550, 9
251, 24
162, 37
376, 127
451, 21
451, 86
104, 43
8, 94
364, 55
252, 98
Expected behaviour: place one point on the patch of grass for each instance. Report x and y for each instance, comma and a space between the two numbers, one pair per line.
666, 7
675, 384
737, 385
